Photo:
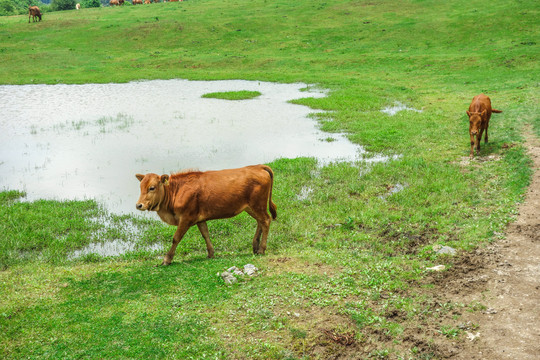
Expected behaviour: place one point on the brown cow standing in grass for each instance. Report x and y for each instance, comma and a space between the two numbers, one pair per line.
135, 2
114, 3
479, 114
33, 12
193, 197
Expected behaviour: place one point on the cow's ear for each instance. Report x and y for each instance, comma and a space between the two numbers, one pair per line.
139, 177
165, 179
483, 113
468, 114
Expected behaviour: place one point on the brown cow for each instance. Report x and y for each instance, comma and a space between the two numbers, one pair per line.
135, 2
147, 2
479, 114
193, 197
33, 12
114, 3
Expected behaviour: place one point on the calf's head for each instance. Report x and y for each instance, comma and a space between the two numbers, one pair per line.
152, 191
475, 121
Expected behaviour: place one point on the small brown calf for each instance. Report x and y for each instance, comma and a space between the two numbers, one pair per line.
192, 198
33, 12
479, 114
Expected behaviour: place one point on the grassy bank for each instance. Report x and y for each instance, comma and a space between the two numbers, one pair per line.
345, 266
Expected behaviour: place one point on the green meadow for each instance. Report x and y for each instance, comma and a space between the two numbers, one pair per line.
344, 275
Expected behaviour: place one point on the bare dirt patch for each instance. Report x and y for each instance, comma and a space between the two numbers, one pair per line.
505, 279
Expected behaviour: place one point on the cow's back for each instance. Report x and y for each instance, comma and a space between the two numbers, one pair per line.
220, 194
480, 103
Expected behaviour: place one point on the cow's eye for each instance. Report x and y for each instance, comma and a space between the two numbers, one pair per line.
152, 188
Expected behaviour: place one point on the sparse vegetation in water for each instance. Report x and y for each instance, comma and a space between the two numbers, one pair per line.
348, 259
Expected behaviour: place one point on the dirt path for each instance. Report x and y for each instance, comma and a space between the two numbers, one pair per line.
508, 284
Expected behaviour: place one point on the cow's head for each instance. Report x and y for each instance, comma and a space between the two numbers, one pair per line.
475, 121
152, 191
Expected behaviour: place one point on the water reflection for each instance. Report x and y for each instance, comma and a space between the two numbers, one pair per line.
88, 141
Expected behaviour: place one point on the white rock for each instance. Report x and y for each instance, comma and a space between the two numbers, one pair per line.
436, 268
250, 269
472, 336
228, 278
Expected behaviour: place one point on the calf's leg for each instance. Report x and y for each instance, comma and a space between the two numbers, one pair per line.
257, 238
203, 228
178, 235
263, 227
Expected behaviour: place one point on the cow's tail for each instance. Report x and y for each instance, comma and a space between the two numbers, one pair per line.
272, 206
496, 111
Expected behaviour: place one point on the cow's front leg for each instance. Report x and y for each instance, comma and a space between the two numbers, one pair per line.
479, 139
178, 235
472, 146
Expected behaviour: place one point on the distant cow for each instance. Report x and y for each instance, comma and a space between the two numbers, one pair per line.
147, 2
33, 12
78, 6
135, 2
193, 197
114, 3
479, 114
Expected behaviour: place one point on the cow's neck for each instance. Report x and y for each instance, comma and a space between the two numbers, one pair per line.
166, 212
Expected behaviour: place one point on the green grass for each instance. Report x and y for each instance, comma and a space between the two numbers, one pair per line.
349, 257
233, 95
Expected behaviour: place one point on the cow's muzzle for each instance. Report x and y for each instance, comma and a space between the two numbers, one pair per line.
140, 206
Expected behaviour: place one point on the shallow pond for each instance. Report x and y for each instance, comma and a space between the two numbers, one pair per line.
88, 141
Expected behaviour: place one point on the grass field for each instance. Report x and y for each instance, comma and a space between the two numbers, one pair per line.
344, 273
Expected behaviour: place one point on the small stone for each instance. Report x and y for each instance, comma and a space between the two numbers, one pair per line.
228, 278
472, 336
436, 268
491, 311
445, 250
236, 271
250, 269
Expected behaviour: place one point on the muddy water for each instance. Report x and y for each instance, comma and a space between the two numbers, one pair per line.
88, 141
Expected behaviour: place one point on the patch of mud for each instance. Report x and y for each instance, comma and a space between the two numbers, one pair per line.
466, 161
504, 280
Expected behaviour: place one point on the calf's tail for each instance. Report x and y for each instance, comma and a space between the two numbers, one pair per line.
272, 206
496, 111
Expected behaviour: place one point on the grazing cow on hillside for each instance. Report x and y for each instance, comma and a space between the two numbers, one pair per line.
33, 12
193, 197
78, 6
135, 2
147, 2
114, 3
479, 114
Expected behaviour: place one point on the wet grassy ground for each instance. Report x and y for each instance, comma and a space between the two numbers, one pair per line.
345, 266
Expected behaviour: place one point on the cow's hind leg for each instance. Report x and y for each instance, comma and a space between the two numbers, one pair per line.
486, 138
203, 228
257, 238
263, 227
